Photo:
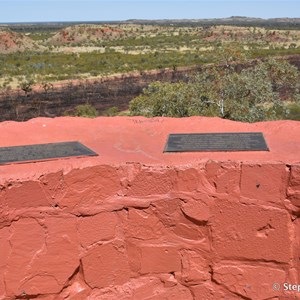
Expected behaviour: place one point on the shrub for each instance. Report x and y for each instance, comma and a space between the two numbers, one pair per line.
110, 112
85, 110
293, 112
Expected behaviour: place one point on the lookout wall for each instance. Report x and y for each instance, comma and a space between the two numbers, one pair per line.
136, 223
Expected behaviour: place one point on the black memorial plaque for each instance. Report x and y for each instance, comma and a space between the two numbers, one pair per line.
211, 142
39, 152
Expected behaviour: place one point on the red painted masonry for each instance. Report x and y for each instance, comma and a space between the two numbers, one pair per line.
135, 223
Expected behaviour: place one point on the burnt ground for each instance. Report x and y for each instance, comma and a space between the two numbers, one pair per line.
101, 93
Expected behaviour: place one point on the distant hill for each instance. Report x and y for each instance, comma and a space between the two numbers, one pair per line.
85, 33
13, 42
235, 20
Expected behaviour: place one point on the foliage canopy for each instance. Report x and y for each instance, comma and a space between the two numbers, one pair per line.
250, 95
85, 110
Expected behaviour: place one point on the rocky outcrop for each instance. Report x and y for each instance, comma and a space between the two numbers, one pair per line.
11, 42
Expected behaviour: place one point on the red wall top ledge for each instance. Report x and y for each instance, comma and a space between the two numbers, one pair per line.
120, 140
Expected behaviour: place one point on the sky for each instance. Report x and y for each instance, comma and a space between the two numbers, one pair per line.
101, 10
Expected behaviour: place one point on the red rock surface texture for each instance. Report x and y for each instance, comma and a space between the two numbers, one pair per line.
137, 223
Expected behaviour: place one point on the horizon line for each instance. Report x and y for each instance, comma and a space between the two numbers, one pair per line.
147, 19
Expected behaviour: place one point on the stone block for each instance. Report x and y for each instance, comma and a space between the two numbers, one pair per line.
42, 257
211, 291
224, 177
265, 183
152, 182
143, 225
5, 250
53, 186
26, 240
294, 186
187, 180
106, 265
250, 281
160, 259
195, 267
198, 210
56, 261
93, 229
89, 186
25, 195
150, 288
251, 232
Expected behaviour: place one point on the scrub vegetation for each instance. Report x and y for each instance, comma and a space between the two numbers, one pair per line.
248, 70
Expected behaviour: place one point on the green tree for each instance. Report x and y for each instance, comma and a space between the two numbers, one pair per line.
250, 95
166, 99
229, 53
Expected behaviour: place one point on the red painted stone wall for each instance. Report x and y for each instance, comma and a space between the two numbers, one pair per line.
208, 230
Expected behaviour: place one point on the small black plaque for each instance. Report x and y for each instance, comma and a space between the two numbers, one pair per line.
43, 152
205, 142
